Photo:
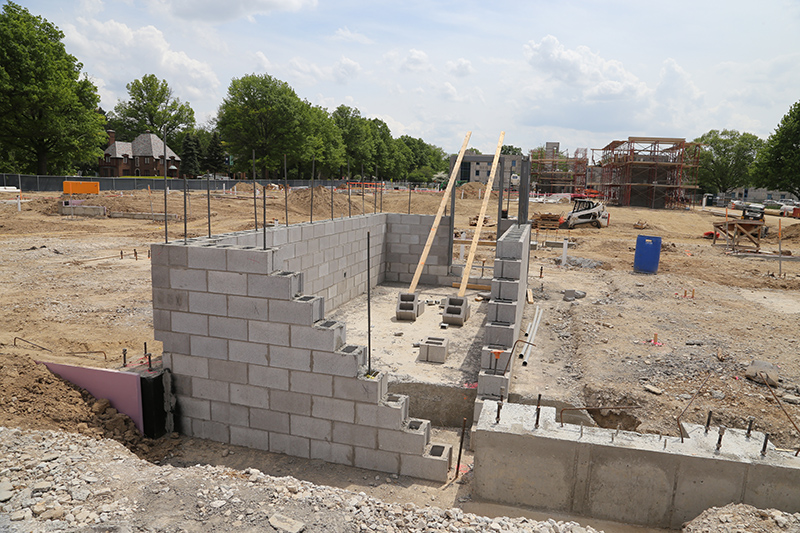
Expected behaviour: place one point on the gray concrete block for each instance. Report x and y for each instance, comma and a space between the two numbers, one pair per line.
344, 362
433, 349
311, 383
502, 311
433, 465
250, 259
159, 277
271, 421
178, 255
303, 310
290, 358
189, 323
159, 255
207, 304
332, 452
269, 377
210, 347
174, 342
289, 445
210, 389
249, 395
490, 360
250, 438
268, 332
248, 352
381, 461
188, 279
505, 289
227, 282
508, 268
409, 306
499, 333
247, 307
206, 429
281, 285
227, 328
493, 385
188, 365
234, 415
312, 428
405, 440
355, 435
171, 299
333, 409
206, 257
324, 335
162, 320
361, 389
194, 407
227, 371
290, 402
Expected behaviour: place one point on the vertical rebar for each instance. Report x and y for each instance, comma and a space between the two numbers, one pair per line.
208, 201
349, 201
124, 357
264, 214
409, 197
764, 446
363, 211
538, 410
375, 193
499, 407
166, 233
255, 200
708, 420
185, 217
285, 191
719, 439
750, 426
369, 315
331, 199
461, 446
313, 170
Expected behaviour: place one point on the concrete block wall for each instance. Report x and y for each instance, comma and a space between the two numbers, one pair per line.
256, 364
505, 309
406, 236
650, 480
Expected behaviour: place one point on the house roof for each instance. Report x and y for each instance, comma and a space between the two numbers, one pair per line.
145, 145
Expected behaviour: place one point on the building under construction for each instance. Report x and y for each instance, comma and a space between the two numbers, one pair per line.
555, 172
653, 172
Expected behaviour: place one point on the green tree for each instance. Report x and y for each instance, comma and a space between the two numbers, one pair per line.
725, 159
190, 156
261, 114
151, 106
357, 137
777, 166
214, 155
508, 149
323, 141
49, 119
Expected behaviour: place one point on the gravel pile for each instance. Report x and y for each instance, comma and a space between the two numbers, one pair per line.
58, 481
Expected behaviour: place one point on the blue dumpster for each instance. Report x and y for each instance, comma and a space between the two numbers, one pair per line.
648, 253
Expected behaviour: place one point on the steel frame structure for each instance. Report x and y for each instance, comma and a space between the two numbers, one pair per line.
554, 173
653, 172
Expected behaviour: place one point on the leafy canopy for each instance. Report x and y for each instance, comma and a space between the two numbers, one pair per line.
49, 118
150, 106
778, 164
726, 158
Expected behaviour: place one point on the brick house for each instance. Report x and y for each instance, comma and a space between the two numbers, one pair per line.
142, 157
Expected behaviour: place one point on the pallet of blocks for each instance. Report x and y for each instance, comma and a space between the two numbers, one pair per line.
545, 221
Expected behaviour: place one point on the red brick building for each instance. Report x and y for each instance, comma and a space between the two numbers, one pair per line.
142, 157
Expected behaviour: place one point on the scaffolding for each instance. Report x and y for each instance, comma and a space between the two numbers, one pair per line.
655, 172
554, 172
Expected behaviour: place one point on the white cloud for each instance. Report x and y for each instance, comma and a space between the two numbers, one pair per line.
262, 61
345, 69
119, 54
215, 11
595, 76
310, 73
415, 61
345, 35
460, 67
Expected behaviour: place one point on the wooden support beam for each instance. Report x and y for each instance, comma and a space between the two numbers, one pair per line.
481, 217
439, 213
472, 287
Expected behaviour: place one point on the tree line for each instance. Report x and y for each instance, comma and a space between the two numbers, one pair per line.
51, 122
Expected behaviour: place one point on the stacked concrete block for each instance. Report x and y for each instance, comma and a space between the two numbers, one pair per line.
433, 350
456, 311
405, 241
504, 312
409, 306
255, 363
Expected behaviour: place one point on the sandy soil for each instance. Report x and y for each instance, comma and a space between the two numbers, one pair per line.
69, 297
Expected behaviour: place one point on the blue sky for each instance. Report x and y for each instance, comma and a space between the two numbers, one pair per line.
583, 73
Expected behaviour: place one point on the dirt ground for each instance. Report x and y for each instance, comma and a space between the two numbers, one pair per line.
74, 293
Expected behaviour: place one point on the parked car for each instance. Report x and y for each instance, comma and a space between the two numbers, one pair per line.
737, 204
788, 210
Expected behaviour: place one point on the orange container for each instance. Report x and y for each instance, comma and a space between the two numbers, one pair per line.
81, 187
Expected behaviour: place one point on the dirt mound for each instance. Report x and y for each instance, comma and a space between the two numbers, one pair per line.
472, 189
300, 202
789, 233
32, 397
742, 517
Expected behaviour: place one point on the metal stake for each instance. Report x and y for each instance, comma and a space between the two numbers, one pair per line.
461, 447
708, 420
369, 315
764, 447
538, 409
750, 426
285, 191
185, 221
208, 201
264, 214
313, 169
719, 439
124, 357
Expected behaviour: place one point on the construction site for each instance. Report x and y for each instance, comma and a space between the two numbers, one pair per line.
625, 376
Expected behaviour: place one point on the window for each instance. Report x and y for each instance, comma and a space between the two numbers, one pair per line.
477, 173
513, 163
146, 160
125, 159
769, 196
136, 161
108, 158
783, 197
